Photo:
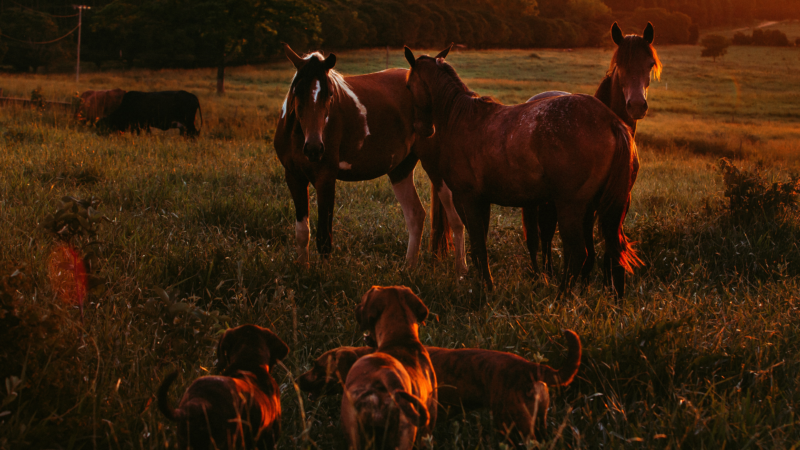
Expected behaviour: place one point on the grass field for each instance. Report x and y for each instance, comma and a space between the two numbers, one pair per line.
702, 353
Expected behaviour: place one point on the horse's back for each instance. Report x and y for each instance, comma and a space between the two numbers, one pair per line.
547, 94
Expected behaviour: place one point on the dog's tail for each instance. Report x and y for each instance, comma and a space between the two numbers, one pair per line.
163, 400
566, 374
412, 407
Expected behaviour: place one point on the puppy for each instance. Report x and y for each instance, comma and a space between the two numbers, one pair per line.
511, 387
241, 407
330, 370
390, 395
514, 389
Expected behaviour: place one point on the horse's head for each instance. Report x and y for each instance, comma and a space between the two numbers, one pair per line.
310, 98
633, 64
421, 91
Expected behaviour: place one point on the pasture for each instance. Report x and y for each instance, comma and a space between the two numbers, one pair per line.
700, 354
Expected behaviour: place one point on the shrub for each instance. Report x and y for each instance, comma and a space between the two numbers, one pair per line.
768, 38
714, 45
749, 194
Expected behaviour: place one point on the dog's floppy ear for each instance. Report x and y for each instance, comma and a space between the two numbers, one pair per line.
415, 304
371, 307
278, 349
344, 362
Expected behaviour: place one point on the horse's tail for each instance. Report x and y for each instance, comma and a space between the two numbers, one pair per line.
440, 227
163, 400
616, 197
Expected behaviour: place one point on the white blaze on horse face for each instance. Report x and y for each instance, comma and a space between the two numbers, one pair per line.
302, 233
315, 91
414, 214
446, 196
344, 165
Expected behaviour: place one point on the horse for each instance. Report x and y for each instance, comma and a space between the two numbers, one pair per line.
624, 90
351, 128
570, 150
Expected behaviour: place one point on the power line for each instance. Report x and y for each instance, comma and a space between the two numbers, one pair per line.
39, 43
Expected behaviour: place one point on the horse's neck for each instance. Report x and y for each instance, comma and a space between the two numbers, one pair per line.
610, 93
454, 106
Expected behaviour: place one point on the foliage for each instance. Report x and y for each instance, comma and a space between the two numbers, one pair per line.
714, 45
771, 38
670, 27
749, 194
30, 26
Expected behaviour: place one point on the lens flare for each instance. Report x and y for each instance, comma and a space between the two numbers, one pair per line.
67, 275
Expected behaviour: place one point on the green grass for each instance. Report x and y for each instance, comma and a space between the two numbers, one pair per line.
700, 354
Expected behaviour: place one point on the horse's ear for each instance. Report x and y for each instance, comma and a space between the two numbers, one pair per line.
330, 61
649, 33
616, 34
443, 54
410, 56
297, 61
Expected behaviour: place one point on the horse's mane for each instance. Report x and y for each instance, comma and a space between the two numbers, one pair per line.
458, 98
314, 70
628, 50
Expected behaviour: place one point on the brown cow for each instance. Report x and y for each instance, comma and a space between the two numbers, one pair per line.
98, 104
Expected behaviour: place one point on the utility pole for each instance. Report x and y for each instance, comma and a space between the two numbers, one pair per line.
80, 9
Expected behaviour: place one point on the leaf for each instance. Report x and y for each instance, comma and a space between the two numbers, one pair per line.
162, 294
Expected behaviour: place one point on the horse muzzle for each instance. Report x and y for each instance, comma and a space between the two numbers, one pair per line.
314, 152
637, 110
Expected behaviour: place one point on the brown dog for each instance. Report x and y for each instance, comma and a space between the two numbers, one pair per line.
241, 408
514, 389
390, 395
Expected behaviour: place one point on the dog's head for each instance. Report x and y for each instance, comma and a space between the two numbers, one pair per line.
403, 303
330, 371
249, 345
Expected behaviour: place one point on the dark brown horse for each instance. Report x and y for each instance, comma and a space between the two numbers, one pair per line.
571, 150
624, 91
351, 129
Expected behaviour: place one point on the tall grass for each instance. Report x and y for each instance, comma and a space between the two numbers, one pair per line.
700, 354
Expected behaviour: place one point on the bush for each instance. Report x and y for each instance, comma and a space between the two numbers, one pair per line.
768, 38
750, 195
714, 45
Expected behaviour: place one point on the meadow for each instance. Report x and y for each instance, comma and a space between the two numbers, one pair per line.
701, 353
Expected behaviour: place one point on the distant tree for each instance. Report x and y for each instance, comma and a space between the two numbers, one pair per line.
714, 45
29, 27
226, 26
796, 42
742, 39
694, 34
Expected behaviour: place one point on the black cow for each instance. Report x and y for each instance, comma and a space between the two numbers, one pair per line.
163, 110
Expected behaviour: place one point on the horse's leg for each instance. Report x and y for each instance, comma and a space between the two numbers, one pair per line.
413, 211
588, 237
457, 225
548, 219
298, 186
530, 221
326, 196
570, 223
476, 214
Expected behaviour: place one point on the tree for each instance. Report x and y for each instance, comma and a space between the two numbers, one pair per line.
714, 45
227, 26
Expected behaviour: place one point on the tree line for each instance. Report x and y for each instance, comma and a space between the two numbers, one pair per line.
218, 33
